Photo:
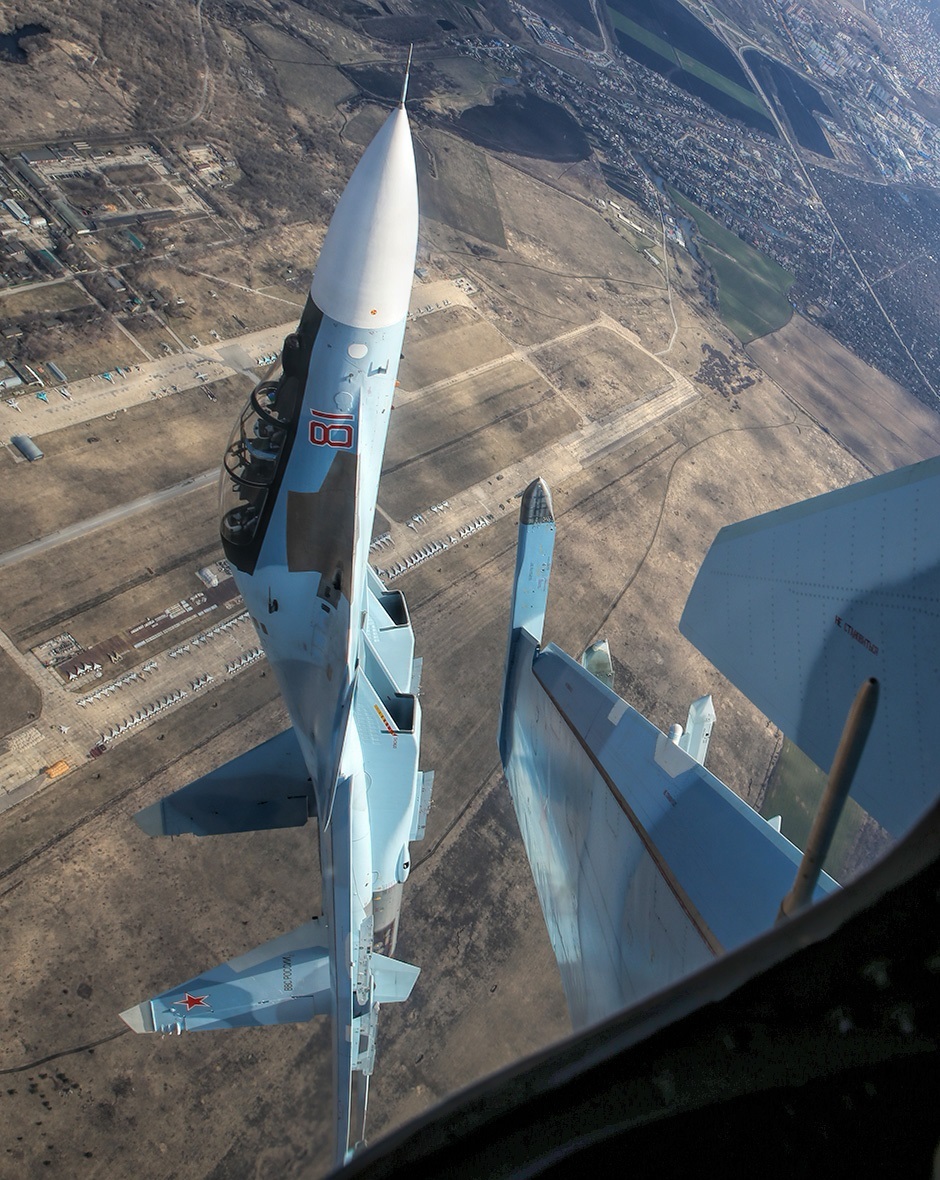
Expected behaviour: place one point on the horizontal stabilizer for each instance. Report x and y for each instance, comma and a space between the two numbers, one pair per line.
393, 979
282, 981
266, 787
799, 606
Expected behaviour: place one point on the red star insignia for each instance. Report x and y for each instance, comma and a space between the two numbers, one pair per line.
192, 1001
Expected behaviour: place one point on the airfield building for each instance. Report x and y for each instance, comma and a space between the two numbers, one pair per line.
70, 217
25, 445
17, 210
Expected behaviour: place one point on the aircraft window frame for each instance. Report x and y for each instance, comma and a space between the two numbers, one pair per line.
247, 474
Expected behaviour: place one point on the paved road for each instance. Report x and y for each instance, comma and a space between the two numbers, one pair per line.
109, 517
93, 397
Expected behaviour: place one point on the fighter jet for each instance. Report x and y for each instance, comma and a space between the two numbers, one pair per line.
298, 497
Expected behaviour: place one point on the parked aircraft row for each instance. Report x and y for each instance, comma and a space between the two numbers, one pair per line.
421, 555
244, 660
205, 636
468, 530
414, 559
428, 308
84, 670
106, 690
145, 714
419, 518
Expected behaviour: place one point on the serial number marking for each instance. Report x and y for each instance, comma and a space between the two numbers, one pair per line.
332, 430
856, 635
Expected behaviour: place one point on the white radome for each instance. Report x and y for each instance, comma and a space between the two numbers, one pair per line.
364, 274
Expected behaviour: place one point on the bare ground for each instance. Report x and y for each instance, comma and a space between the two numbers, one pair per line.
878, 421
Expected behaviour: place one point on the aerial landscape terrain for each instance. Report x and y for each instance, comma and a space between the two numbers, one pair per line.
678, 260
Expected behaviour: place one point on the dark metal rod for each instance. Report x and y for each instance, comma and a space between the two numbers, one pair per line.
844, 765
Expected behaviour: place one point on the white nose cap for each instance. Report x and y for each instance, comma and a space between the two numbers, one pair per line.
365, 271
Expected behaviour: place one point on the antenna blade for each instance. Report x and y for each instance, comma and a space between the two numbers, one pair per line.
404, 85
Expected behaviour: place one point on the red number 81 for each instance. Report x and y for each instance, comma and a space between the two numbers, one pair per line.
333, 434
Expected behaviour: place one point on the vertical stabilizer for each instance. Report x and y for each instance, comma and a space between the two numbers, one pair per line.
533, 560
534, 548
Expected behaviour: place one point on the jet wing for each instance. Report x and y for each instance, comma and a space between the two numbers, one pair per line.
266, 787
646, 865
797, 607
285, 980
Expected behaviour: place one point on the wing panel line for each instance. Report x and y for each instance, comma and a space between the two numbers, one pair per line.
691, 911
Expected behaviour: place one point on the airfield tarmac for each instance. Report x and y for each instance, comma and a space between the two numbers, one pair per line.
541, 370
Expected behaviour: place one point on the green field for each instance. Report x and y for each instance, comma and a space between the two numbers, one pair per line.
689, 64
752, 288
795, 788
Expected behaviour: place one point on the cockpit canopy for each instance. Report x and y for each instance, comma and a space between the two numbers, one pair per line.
252, 459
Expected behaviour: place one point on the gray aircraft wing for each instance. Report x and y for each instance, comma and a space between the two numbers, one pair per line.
266, 787
646, 865
797, 607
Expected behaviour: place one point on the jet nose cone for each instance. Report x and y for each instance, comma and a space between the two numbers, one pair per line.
364, 274
536, 506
